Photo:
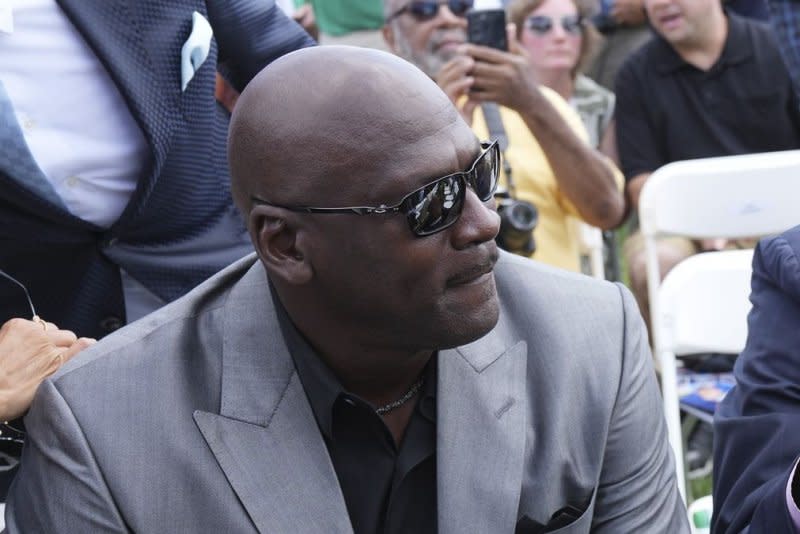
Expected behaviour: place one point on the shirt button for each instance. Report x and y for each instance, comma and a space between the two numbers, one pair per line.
28, 124
72, 181
110, 323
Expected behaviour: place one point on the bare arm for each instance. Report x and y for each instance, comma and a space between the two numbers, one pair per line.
608, 142
634, 189
583, 174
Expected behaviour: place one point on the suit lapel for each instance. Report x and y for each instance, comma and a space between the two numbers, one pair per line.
481, 432
115, 34
265, 437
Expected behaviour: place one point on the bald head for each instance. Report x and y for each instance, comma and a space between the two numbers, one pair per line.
390, 7
317, 123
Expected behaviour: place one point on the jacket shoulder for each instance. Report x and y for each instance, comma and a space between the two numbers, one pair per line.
137, 344
563, 311
778, 259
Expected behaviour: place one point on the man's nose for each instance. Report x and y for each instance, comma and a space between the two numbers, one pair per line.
447, 17
479, 221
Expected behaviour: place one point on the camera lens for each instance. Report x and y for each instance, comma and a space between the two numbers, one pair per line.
517, 221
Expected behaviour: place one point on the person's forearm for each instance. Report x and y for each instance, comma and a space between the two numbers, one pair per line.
583, 175
634, 189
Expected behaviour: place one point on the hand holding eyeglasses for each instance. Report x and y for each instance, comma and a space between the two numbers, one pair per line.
30, 351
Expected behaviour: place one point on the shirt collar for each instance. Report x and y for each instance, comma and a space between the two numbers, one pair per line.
320, 383
737, 48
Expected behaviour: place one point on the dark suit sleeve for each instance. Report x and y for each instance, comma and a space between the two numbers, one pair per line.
638, 490
757, 426
251, 34
59, 487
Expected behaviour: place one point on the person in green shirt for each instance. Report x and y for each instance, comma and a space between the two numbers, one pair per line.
350, 22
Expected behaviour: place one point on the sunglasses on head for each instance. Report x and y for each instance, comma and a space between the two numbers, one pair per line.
428, 9
542, 24
435, 206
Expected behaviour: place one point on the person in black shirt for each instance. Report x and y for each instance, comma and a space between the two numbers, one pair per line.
710, 84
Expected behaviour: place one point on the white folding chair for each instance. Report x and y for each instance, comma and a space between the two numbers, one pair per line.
703, 306
728, 197
591, 246
700, 515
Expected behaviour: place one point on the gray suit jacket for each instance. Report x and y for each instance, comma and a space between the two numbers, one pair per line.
194, 420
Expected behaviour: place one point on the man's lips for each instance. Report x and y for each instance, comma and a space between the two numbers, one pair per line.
474, 272
668, 20
449, 45
449, 40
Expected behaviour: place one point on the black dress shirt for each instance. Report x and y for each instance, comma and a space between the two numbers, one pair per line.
387, 488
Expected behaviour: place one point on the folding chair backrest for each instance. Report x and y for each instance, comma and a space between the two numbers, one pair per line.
733, 196
728, 197
703, 303
590, 239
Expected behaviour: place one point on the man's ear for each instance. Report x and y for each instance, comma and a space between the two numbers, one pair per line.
388, 36
275, 239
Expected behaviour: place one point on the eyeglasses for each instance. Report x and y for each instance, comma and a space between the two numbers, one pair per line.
12, 438
428, 9
21, 286
542, 24
435, 206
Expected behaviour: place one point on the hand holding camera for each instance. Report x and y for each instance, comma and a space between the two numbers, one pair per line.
499, 70
499, 75
456, 82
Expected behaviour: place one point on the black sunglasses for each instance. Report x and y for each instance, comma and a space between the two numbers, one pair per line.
427, 9
542, 24
435, 206
12, 438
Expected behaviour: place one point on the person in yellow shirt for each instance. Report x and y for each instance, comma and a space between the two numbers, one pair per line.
553, 165
535, 182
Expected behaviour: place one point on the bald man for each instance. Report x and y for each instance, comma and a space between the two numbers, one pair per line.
377, 366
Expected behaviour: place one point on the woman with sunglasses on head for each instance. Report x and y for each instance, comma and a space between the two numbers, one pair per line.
558, 40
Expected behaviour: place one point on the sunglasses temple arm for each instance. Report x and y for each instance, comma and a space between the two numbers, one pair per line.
24, 289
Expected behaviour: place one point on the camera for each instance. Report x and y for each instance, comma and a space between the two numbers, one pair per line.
518, 218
